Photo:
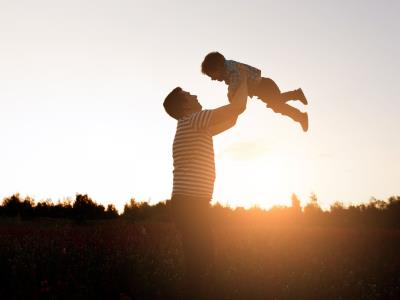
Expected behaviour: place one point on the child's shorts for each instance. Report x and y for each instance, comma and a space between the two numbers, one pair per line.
267, 91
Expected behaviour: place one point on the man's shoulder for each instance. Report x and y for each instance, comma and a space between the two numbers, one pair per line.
196, 120
200, 112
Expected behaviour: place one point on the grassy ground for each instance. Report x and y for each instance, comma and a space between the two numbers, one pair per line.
56, 259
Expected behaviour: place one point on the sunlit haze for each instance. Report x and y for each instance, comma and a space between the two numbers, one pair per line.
82, 85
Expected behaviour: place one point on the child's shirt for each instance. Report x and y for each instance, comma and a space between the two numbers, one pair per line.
235, 73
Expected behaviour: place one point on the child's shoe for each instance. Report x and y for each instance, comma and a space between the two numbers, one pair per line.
304, 121
301, 96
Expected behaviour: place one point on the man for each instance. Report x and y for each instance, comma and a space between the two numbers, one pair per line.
194, 175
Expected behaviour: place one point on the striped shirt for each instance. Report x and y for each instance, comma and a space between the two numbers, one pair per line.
193, 154
234, 72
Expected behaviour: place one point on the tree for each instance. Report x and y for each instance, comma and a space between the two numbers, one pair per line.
12, 205
337, 207
111, 212
312, 206
85, 208
27, 208
393, 210
295, 204
312, 211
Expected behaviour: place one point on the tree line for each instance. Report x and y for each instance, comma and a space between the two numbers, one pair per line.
377, 213
81, 209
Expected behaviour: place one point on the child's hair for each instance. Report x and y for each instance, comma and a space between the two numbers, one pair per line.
173, 103
214, 61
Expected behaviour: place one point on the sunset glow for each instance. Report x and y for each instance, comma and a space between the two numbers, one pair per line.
82, 85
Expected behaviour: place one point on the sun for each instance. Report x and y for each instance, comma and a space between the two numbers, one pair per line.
263, 181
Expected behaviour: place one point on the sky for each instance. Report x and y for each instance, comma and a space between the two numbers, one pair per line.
82, 85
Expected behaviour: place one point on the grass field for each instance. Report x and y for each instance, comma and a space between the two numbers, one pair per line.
116, 259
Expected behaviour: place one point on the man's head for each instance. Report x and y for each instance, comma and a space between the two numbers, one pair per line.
180, 103
213, 65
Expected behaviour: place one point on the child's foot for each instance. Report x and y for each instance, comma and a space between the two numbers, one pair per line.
301, 96
304, 121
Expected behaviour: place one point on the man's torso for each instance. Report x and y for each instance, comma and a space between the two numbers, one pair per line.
193, 155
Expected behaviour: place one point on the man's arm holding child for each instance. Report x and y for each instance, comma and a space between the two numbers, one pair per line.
225, 116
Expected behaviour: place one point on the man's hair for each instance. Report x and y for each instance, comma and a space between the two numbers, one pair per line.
212, 62
173, 103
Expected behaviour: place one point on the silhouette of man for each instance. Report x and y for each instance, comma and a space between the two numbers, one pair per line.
194, 175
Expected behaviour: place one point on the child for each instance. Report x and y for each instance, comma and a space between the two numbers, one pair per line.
218, 68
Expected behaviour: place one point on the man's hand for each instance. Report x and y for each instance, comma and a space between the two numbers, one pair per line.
239, 99
229, 113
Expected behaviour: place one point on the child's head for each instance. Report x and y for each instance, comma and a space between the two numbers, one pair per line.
213, 65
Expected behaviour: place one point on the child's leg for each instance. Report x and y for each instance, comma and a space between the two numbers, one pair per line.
292, 112
286, 110
295, 95
269, 92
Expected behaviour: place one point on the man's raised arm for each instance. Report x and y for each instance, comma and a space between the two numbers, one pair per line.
225, 116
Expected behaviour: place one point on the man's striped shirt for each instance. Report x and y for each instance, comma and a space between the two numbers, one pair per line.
193, 154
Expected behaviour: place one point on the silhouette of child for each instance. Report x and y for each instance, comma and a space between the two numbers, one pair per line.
232, 72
